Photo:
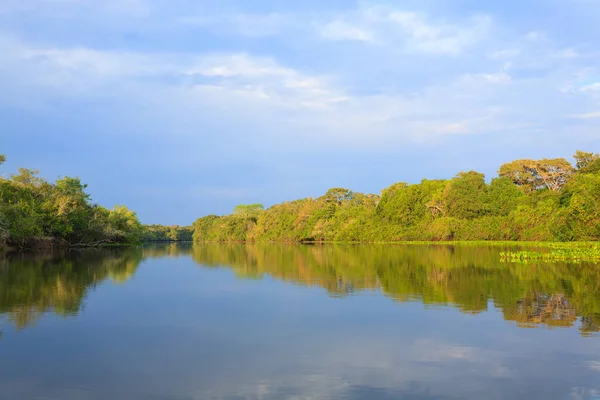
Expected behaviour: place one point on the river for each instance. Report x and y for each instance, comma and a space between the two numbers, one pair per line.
183, 322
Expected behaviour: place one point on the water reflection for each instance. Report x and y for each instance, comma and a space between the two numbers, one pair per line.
32, 284
466, 277
406, 322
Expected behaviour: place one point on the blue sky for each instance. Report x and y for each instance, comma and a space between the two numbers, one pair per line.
184, 108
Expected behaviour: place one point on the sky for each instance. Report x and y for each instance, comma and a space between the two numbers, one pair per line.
183, 108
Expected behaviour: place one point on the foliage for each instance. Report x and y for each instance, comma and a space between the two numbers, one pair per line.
584, 159
35, 212
533, 175
204, 228
531, 200
592, 168
404, 204
464, 196
162, 233
248, 209
502, 197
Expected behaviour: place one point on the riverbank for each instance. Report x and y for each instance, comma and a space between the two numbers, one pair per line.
49, 243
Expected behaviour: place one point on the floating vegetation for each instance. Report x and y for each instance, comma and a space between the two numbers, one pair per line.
567, 252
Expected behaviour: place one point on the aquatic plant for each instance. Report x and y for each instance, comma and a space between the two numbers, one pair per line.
568, 252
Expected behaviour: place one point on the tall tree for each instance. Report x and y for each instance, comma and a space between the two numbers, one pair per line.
532, 175
338, 195
584, 159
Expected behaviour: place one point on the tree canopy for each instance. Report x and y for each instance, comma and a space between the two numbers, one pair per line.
547, 199
34, 212
533, 175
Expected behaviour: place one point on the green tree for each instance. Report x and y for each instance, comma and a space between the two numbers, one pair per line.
173, 233
338, 195
68, 209
251, 210
205, 228
583, 212
584, 159
502, 197
406, 205
464, 196
124, 225
532, 175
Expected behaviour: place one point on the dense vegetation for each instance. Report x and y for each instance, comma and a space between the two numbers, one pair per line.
37, 213
162, 233
530, 200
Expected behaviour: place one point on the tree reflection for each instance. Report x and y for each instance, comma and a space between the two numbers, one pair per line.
34, 284
466, 277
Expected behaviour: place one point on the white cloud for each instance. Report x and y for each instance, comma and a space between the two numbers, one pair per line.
340, 30
262, 92
417, 99
81, 69
591, 87
416, 32
588, 115
440, 38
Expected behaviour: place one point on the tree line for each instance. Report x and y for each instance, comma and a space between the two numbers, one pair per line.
162, 233
529, 200
37, 213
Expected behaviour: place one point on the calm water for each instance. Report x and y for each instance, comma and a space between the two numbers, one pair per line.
297, 322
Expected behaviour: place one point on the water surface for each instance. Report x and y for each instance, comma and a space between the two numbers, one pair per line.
297, 322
